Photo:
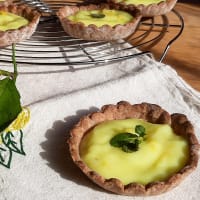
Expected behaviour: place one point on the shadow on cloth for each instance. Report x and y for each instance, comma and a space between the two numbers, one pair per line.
56, 150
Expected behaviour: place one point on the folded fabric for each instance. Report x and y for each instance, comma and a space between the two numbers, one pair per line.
59, 96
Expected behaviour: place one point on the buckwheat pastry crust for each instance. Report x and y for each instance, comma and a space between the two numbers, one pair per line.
6, 2
150, 10
148, 112
17, 35
92, 32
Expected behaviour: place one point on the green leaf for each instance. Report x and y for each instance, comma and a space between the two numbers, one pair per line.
139, 129
10, 105
131, 147
128, 142
120, 139
13, 140
97, 15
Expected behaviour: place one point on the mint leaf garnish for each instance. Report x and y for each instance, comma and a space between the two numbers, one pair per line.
97, 15
129, 142
140, 130
122, 139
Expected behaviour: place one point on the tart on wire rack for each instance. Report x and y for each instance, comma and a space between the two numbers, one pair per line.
98, 22
17, 23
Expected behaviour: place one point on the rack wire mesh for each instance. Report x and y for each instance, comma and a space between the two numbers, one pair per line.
50, 45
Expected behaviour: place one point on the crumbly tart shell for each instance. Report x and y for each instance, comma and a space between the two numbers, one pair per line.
17, 35
92, 32
148, 112
150, 10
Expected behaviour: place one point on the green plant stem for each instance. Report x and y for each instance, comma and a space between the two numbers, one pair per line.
14, 63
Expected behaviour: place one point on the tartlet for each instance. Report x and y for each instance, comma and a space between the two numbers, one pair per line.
150, 113
152, 9
92, 32
17, 35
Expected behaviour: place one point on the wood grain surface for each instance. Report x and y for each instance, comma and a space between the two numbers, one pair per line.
184, 53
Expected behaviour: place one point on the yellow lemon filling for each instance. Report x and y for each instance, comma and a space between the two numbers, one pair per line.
161, 154
101, 17
9, 21
137, 2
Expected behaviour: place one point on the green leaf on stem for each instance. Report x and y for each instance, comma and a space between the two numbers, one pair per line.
10, 105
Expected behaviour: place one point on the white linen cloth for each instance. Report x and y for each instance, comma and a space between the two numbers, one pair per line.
58, 96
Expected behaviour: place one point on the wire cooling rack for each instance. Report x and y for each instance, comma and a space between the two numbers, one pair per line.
50, 45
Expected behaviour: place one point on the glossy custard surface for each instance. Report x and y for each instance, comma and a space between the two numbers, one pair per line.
10, 21
137, 2
161, 154
101, 17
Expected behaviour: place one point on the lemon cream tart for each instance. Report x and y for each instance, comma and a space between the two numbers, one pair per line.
17, 23
134, 149
98, 22
148, 8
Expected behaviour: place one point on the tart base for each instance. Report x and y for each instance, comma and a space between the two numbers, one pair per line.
14, 36
148, 112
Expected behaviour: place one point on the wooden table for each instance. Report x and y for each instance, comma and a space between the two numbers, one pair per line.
183, 55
